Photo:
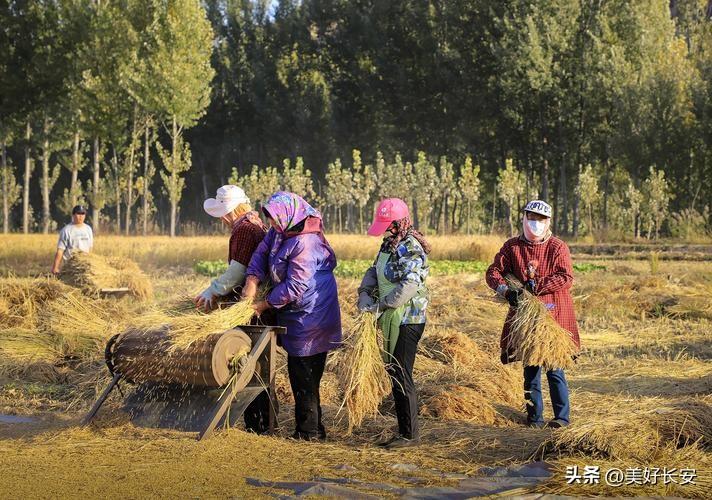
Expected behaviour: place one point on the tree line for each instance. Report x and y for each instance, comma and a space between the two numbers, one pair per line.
465, 108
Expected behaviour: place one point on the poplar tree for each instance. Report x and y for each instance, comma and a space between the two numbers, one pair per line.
177, 85
469, 185
510, 187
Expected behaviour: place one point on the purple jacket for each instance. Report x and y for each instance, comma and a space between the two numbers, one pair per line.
304, 294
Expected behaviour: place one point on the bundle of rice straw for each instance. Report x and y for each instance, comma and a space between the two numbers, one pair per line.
456, 402
80, 326
459, 380
656, 425
93, 273
22, 345
185, 327
361, 372
536, 338
22, 299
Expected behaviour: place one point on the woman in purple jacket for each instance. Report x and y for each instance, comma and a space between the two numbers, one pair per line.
299, 263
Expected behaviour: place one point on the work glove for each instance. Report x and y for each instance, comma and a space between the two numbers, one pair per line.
530, 285
512, 295
366, 303
205, 300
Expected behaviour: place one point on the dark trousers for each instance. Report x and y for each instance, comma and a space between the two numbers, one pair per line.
558, 391
400, 370
257, 414
305, 376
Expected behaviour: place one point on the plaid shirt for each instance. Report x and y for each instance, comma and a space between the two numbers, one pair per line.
246, 235
554, 277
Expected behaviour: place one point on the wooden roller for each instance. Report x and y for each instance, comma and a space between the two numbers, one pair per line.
141, 356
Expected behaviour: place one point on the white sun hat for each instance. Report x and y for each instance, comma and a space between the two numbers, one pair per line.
539, 207
226, 200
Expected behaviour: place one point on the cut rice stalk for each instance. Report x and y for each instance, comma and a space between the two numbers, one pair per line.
535, 338
361, 372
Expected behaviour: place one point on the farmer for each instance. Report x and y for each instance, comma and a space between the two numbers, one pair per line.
543, 263
298, 263
74, 237
232, 206
394, 287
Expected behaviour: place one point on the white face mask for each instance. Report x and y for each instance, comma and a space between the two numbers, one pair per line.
537, 227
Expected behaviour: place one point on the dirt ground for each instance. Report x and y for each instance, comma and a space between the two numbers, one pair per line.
644, 344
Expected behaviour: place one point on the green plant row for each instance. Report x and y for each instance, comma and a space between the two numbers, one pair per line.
355, 268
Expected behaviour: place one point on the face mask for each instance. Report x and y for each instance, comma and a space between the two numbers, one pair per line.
537, 227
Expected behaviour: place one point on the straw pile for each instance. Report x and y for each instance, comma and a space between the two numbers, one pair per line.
361, 371
93, 273
535, 338
21, 300
460, 381
655, 426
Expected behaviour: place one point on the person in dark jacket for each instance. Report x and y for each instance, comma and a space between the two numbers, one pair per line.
543, 263
298, 261
394, 288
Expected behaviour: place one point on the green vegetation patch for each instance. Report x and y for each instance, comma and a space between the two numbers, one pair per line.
355, 268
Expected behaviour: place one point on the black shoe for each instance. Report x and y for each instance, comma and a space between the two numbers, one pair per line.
536, 425
557, 423
402, 442
304, 436
387, 442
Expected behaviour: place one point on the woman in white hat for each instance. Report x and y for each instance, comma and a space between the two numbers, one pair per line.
232, 206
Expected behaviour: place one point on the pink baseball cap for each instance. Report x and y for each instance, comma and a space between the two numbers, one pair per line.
388, 210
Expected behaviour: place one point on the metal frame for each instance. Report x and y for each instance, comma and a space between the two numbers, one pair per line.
264, 345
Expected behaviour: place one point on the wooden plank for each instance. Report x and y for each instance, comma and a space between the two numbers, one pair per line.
95, 409
272, 381
245, 376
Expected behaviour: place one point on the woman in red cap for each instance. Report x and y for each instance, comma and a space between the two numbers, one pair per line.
394, 288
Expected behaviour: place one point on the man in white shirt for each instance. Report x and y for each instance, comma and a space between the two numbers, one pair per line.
74, 237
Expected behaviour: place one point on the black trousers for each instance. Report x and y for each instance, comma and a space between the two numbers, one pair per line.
305, 376
401, 372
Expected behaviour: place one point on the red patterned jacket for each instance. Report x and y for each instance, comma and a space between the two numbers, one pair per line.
554, 277
247, 232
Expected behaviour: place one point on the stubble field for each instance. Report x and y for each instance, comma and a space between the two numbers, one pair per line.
640, 391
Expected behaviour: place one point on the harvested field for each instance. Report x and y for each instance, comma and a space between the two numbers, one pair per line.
639, 391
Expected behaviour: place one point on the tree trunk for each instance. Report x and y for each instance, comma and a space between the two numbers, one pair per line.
174, 175
45, 177
26, 183
117, 187
5, 190
416, 221
545, 173
494, 206
146, 172
75, 170
95, 212
576, 219
129, 181
563, 192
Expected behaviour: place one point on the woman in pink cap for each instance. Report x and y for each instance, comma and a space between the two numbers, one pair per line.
394, 288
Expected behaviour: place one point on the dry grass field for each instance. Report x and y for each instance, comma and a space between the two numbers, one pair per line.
640, 391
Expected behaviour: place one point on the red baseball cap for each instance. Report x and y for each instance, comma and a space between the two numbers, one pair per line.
388, 210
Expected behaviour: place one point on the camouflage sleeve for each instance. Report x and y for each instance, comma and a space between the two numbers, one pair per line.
408, 272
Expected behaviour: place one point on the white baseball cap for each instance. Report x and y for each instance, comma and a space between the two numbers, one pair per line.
539, 207
226, 200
